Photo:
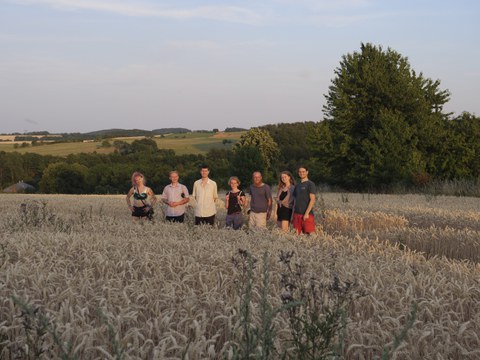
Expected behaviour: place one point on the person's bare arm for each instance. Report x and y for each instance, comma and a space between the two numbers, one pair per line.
129, 195
152, 195
269, 209
309, 207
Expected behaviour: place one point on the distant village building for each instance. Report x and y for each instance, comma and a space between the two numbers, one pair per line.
19, 187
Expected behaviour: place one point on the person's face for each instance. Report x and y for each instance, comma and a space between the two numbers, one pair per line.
174, 178
302, 173
138, 180
285, 178
257, 178
204, 173
233, 184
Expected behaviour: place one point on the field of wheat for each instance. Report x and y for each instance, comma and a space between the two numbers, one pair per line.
79, 279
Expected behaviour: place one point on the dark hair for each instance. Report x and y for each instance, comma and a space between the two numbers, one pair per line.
302, 167
204, 166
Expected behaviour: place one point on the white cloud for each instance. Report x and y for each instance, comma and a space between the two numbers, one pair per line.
345, 20
141, 9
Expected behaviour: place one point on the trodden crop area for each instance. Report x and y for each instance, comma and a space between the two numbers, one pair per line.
386, 276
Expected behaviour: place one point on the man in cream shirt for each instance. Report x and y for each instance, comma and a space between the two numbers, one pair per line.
205, 194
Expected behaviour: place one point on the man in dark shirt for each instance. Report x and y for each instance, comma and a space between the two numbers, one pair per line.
260, 203
304, 195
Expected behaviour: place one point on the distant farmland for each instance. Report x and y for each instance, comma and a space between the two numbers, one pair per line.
188, 143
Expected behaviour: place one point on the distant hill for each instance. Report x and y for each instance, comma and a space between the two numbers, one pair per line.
171, 131
107, 133
110, 133
234, 129
119, 133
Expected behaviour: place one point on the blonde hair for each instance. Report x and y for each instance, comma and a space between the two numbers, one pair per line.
135, 174
233, 178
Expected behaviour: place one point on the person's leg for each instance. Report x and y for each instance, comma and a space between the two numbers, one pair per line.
237, 221
176, 219
298, 222
285, 225
259, 219
229, 221
309, 225
279, 217
264, 220
210, 220
251, 220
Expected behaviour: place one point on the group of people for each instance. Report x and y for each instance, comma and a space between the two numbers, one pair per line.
294, 201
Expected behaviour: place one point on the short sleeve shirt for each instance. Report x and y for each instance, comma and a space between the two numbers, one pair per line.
301, 194
260, 196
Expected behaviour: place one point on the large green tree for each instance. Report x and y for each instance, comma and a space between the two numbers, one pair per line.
383, 121
462, 148
293, 149
265, 146
246, 160
63, 178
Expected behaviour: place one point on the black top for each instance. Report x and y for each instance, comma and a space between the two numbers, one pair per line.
233, 205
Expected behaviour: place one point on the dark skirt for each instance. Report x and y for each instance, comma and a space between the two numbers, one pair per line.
284, 213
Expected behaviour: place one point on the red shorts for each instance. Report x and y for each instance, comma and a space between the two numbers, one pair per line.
305, 226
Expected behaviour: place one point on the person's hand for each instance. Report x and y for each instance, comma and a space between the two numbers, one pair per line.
269, 213
306, 216
147, 208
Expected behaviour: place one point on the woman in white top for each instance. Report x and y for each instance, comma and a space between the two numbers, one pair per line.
143, 198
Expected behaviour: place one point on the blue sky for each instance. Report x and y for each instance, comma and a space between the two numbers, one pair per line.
85, 65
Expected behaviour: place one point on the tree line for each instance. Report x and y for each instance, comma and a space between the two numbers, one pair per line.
383, 126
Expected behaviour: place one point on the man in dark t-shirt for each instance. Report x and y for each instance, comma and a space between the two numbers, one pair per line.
260, 203
304, 196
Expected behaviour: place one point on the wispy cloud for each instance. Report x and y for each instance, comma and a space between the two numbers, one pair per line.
42, 38
332, 20
328, 5
224, 13
31, 122
327, 13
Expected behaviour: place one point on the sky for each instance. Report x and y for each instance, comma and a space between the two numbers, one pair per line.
87, 65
